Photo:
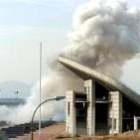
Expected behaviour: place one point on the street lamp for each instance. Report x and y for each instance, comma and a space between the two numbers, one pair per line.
57, 98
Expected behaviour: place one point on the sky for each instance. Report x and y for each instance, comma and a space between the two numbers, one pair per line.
26, 23
23, 25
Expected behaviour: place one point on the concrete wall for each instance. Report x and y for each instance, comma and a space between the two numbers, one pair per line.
70, 114
90, 90
115, 112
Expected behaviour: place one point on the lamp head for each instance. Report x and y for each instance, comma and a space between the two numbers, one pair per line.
59, 97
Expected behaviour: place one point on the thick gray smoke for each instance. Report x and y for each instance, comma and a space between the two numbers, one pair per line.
104, 36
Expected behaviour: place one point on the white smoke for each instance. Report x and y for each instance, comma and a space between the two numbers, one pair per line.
55, 84
104, 36
5, 112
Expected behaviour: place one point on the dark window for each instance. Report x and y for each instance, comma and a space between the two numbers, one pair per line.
68, 108
138, 124
85, 89
114, 124
110, 123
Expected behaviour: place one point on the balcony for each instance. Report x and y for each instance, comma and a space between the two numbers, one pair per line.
102, 100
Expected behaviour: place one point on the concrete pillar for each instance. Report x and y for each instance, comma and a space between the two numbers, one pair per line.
135, 123
115, 112
70, 113
90, 91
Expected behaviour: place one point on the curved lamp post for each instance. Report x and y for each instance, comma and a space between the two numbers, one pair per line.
57, 98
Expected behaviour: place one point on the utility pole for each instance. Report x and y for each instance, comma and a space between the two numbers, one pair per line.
40, 91
16, 97
1, 107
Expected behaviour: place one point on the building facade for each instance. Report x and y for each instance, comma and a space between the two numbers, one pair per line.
104, 107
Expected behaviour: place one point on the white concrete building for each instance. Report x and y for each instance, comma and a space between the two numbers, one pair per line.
104, 107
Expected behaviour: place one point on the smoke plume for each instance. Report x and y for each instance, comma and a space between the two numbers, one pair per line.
104, 37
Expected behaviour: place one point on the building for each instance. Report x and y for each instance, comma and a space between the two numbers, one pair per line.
104, 107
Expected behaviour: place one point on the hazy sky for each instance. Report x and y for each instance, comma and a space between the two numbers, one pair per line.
24, 23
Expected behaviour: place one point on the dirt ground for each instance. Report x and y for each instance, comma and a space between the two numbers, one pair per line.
57, 132
48, 133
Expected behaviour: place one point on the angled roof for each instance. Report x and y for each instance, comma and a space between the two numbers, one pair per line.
87, 73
